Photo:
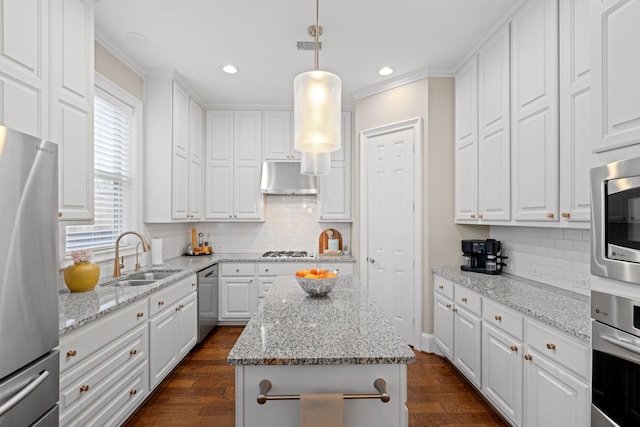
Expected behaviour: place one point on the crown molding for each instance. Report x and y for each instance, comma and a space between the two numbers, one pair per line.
402, 80
119, 54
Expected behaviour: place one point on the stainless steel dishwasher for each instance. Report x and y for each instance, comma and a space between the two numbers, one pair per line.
207, 300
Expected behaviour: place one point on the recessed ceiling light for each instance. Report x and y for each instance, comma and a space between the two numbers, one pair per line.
229, 69
385, 71
137, 38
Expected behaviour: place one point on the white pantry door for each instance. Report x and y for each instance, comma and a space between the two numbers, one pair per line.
390, 226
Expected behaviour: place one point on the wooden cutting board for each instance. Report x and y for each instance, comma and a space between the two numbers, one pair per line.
323, 240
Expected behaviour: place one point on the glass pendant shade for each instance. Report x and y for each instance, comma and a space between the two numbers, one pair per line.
315, 164
317, 104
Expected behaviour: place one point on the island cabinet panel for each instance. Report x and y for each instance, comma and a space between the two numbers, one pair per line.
443, 325
345, 379
467, 337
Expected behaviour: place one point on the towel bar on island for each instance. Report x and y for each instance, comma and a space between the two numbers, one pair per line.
380, 385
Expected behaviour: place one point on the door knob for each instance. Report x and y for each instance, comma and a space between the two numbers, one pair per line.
372, 260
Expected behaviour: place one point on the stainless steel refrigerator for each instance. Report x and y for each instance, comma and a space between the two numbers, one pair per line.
29, 365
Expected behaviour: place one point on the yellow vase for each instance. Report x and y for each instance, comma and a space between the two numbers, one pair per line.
82, 277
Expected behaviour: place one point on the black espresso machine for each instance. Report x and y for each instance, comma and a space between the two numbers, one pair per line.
482, 256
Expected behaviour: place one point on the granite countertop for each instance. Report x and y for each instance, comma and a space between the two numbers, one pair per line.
565, 310
77, 309
343, 328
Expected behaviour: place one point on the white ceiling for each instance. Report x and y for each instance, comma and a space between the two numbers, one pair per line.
198, 37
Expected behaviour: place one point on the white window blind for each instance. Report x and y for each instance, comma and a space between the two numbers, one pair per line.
114, 173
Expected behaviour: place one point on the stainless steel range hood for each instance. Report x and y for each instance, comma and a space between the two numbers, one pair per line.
282, 177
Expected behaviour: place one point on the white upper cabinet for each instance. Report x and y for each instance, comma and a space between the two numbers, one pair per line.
494, 161
233, 165
71, 93
24, 66
616, 73
334, 190
172, 170
575, 111
466, 142
534, 111
277, 136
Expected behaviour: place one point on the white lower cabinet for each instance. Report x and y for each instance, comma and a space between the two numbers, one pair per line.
533, 374
172, 332
104, 368
502, 366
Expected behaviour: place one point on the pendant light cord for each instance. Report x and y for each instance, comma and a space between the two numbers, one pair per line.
317, 51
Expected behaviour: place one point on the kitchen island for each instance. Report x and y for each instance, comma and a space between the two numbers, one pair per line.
340, 343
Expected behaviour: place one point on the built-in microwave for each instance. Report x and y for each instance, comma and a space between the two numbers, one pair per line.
615, 220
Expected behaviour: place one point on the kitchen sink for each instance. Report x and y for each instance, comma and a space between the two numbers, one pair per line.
153, 275
130, 282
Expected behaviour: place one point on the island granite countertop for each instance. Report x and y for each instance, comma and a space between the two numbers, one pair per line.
78, 309
343, 328
565, 310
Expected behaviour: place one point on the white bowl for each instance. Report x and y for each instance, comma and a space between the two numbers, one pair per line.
317, 287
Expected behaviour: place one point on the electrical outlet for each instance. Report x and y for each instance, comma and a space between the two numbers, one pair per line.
536, 271
581, 281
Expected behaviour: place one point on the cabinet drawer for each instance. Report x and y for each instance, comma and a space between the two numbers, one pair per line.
340, 267
160, 300
237, 269
503, 318
79, 345
88, 381
443, 287
280, 268
469, 300
559, 348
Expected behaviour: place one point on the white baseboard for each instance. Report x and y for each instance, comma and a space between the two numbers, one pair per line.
427, 344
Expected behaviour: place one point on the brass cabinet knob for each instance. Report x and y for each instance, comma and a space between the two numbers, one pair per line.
133, 391
267, 270
140, 314
473, 216
550, 215
551, 346
181, 306
514, 348
527, 357
71, 353
464, 300
59, 214
455, 310
498, 318
133, 352
84, 388
448, 305
193, 285
441, 287
566, 215
237, 270
178, 308
160, 302
480, 216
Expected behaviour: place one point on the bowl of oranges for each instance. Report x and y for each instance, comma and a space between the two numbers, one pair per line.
315, 282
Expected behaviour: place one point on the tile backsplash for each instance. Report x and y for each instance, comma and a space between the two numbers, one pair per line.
556, 257
291, 223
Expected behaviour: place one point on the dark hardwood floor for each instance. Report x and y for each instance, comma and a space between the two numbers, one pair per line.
200, 392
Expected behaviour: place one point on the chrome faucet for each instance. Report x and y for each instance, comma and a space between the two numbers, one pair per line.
116, 263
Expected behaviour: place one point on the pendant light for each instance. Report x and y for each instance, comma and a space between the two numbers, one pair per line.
315, 164
317, 103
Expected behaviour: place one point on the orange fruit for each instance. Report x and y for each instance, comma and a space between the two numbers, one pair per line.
300, 273
314, 271
310, 276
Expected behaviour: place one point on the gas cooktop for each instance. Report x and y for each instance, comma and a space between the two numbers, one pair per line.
285, 254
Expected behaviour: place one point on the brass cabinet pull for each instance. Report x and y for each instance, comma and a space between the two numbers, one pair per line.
133, 352
84, 388
550, 215
193, 285
178, 308
464, 300
441, 287
473, 216
498, 318
181, 306
140, 314
71, 353
455, 310
133, 391
514, 348
480, 216
566, 215
160, 302
527, 357
551, 346
448, 305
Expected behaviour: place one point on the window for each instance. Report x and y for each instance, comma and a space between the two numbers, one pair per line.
114, 176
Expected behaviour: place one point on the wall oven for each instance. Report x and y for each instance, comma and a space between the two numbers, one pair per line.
615, 335
615, 220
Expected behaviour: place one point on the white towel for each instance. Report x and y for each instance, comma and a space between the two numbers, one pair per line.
321, 410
